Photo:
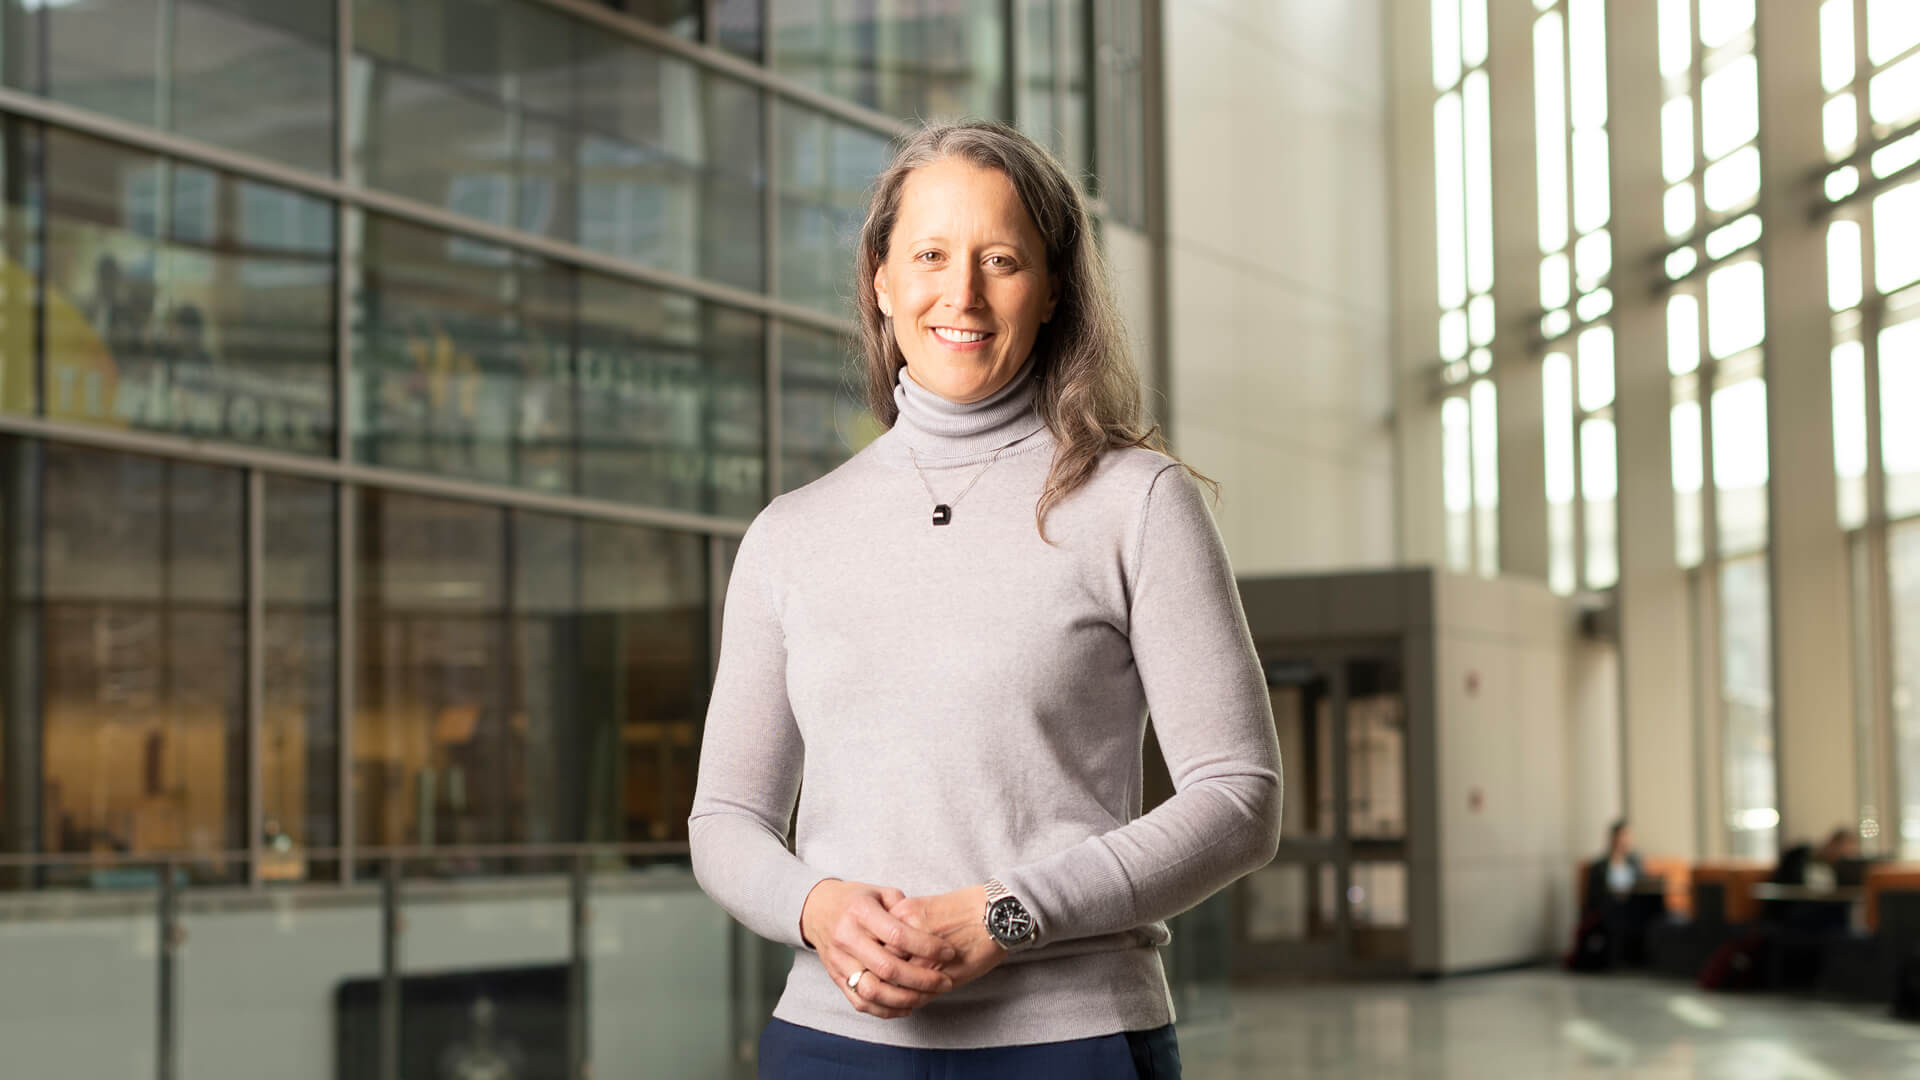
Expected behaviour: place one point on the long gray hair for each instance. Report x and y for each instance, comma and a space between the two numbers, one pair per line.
1089, 392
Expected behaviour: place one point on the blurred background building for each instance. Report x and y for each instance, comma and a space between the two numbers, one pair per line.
384, 386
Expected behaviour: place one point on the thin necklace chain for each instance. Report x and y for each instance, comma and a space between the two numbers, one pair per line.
955, 501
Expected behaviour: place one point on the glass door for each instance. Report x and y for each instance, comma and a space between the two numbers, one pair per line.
1334, 900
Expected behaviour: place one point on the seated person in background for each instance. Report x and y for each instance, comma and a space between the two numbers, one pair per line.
1611, 878
1812, 868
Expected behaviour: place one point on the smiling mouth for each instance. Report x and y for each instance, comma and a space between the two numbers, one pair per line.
960, 337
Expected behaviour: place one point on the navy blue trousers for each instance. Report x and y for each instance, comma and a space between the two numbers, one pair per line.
791, 1052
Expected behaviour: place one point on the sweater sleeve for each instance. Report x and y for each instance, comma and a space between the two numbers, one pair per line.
1207, 696
750, 758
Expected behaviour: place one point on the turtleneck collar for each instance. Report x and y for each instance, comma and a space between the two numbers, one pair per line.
937, 428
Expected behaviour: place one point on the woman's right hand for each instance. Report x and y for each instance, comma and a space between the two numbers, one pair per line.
847, 923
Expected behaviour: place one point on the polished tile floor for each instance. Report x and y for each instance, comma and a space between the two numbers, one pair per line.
1542, 1024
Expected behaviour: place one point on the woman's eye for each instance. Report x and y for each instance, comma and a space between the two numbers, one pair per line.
927, 256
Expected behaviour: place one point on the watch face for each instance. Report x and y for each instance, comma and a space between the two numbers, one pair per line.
1009, 922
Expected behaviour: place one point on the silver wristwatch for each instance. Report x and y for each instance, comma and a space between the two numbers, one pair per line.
1007, 918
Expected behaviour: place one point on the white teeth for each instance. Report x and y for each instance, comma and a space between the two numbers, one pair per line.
959, 337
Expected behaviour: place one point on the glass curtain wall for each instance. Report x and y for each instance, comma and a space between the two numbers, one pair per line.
1576, 266
1463, 213
1870, 68
1710, 158
377, 414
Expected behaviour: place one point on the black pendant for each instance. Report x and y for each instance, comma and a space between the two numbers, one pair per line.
942, 514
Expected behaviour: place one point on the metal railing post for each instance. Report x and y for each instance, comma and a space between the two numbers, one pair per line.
391, 925
579, 1053
164, 1053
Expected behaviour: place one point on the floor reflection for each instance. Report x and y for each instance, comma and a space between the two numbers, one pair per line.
1543, 1024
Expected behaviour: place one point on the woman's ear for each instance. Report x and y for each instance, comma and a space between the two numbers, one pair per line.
880, 291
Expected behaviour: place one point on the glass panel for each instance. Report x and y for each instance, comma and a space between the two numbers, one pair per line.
87, 1001
1895, 156
1850, 432
1735, 314
1479, 162
249, 75
1680, 211
267, 976
1599, 485
1840, 126
1036, 105
1732, 236
1450, 201
1473, 32
1843, 264
1480, 320
1729, 107
484, 979
651, 962
299, 738
824, 169
1592, 259
1376, 751
679, 17
1680, 262
1556, 288
1733, 182
672, 400
1587, 35
1893, 27
144, 733
1596, 368
1746, 704
1594, 305
737, 25
1903, 571
1591, 197
824, 419
1556, 384
1869, 768
1676, 139
1446, 43
1453, 335
1896, 220
1688, 480
1303, 718
1550, 128
1723, 20
1457, 481
524, 117
1740, 464
1676, 36
1291, 902
462, 358
1841, 183
1836, 44
1899, 437
919, 58
1486, 477
1893, 97
184, 301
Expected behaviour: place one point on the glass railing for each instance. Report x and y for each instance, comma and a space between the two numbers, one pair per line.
557, 961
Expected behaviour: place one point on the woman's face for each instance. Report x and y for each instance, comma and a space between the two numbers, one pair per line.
965, 279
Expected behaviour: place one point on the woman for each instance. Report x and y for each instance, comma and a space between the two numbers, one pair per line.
946, 649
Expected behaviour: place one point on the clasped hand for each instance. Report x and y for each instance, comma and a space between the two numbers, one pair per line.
913, 949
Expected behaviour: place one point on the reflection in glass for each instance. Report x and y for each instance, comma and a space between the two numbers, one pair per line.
175, 299
823, 414
141, 700
672, 400
462, 358
1746, 704
825, 169
567, 129
254, 76
299, 743
926, 58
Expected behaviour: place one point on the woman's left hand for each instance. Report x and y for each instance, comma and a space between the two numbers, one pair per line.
960, 918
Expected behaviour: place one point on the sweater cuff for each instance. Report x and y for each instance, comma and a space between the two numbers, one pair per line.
1075, 893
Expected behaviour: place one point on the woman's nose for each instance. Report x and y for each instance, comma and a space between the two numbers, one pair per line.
962, 287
